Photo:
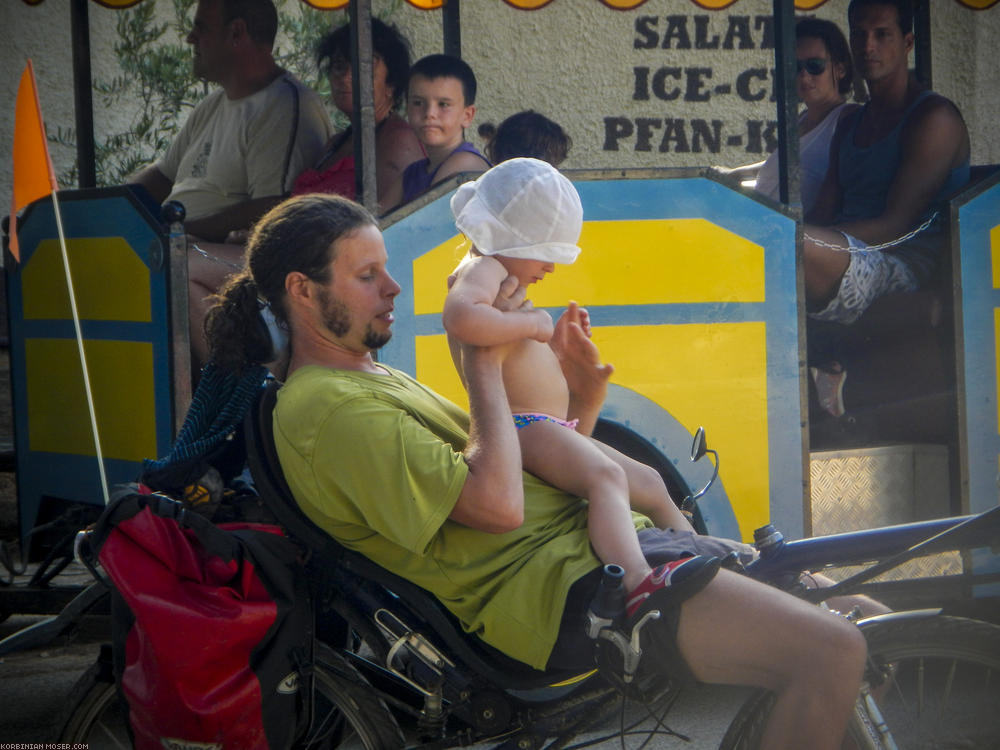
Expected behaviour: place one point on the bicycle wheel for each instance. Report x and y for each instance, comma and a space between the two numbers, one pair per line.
347, 712
747, 727
937, 680
937, 683
95, 717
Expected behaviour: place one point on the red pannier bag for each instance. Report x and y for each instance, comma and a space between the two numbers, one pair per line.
212, 626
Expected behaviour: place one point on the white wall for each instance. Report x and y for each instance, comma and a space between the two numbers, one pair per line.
572, 60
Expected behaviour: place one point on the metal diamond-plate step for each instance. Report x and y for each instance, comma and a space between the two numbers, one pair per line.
882, 486
866, 488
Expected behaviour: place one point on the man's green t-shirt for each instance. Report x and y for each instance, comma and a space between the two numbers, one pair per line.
375, 460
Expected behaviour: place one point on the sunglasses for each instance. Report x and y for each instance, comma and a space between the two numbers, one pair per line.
814, 66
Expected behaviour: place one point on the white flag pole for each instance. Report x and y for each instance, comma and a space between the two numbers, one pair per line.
79, 343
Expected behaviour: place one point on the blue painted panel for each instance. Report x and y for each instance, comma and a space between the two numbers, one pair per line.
110, 212
980, 300
660, 199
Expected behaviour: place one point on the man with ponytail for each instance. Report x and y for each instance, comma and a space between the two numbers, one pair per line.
392, 470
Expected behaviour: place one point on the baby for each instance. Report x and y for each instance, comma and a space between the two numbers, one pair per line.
522, 217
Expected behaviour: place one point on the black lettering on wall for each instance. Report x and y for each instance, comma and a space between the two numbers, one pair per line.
660, 84
711, 135
645, 29
739, 28
674, 133
761, 136
701, 38
677, 30
755, 144
765, 23
675, 83
771, 136
688, 136
744, 81
695, 90
616, 128
641, 91
644, 132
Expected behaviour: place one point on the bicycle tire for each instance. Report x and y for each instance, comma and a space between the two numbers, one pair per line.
348, 713
94, 715
938, 681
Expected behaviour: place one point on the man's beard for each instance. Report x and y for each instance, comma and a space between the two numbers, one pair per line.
374, 340
337, 318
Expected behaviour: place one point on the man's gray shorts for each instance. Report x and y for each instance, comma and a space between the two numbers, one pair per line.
574, 650
869, 275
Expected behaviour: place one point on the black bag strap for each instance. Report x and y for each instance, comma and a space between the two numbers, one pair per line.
126, 503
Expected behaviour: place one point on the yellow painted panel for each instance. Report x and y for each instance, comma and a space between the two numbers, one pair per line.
121, 375
995, 255
628, 263
430, 274
705, 374
436, 370
109, 280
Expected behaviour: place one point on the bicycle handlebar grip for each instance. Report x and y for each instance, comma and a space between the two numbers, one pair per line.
609, 601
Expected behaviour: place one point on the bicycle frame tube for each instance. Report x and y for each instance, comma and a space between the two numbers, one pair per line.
883, 544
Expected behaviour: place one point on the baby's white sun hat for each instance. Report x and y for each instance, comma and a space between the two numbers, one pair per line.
521, 208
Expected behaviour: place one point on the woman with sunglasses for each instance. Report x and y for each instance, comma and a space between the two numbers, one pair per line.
824, 78
825, 75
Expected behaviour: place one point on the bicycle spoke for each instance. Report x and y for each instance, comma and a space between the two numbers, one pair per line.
949, 684
921, 686
112, 736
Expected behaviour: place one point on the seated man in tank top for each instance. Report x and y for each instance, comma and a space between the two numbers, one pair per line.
892, 162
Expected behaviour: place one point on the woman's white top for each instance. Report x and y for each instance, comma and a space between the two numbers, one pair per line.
814, 158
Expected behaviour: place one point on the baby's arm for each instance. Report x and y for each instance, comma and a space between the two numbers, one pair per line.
469, 314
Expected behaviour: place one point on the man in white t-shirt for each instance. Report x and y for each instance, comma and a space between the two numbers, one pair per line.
242, 147
244, 144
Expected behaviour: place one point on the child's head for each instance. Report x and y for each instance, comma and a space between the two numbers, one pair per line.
441, 98
433, 67
529, 134
521, 209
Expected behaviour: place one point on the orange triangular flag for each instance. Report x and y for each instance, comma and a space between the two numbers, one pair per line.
33, 174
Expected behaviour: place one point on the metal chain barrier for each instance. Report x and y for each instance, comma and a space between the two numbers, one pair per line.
216, 259
885, 245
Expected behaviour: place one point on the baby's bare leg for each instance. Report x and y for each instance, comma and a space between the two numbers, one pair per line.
570, 461
647, 492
